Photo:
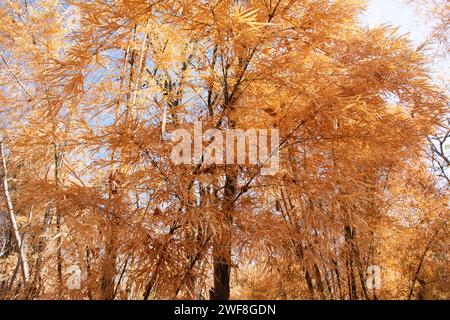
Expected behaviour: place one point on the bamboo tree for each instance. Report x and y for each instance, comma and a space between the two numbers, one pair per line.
19, 243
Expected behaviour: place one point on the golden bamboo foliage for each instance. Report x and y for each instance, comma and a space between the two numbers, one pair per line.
89, 88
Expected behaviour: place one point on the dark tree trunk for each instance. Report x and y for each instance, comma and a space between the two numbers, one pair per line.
6, 239
222, 245
349, 237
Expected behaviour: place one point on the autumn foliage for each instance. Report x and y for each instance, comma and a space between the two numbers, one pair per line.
103, 213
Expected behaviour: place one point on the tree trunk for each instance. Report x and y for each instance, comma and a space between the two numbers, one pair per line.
349, 237
109, 259
12, 218
6, 243
41, 248
58, 159
222, 245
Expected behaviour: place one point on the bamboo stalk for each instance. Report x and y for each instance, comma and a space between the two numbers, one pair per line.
12, 218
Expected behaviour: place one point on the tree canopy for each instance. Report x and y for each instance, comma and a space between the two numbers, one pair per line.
96, 209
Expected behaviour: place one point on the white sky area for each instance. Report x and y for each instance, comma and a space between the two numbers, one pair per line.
410, 21
396, 13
